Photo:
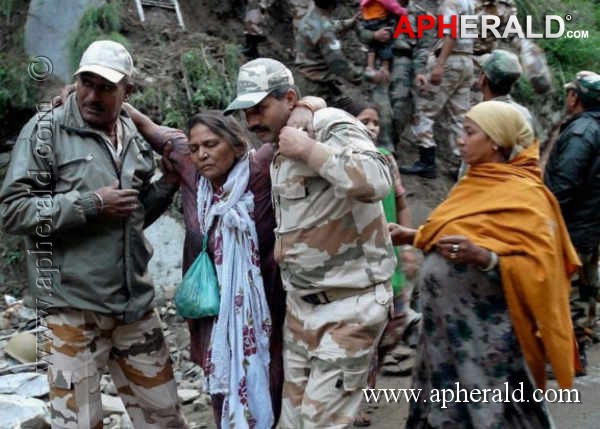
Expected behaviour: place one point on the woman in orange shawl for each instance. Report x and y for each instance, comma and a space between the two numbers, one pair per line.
494, 285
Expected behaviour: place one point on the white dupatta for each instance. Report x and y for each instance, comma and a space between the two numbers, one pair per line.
238, 359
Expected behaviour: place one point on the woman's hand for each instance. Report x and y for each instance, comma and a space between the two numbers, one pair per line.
169, 170
401, 234
460, 250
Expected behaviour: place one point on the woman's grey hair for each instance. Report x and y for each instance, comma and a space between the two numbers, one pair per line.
226, 127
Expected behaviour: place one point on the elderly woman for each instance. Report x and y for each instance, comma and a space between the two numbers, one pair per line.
226, 193
494, 284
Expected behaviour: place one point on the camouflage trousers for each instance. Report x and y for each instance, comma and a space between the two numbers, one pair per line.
326, 354
587, 283
451, 96
83, 343
395, 103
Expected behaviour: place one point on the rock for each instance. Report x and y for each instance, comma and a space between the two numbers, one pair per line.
20, 412
166, 236
48, 33
112, 405
188, 395
28, 384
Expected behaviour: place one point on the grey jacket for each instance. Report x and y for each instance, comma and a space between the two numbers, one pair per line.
75, 258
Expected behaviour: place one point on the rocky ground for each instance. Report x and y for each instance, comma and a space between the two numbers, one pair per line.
24, 393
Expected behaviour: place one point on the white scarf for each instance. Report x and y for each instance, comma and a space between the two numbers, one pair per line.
238, 360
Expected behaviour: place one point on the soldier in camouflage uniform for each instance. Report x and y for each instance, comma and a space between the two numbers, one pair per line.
255, 27
395, 103
82, 195
332, 246
450, 72
321, 64
536, 69
482, 47
499, 71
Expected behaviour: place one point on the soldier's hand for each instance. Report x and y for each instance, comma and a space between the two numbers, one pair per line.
170, 172
383, 35
302, 117
64, 93
380, 76
437, 74
295, 143
421, 81
118, 203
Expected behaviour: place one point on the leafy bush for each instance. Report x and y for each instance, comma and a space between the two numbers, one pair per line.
209, 81
7, 7
567, 56
17, 90
98, 23
204, 80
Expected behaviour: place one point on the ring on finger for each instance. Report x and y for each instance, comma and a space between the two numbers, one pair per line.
455, 248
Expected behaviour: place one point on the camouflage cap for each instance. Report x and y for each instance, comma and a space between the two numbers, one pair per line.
587, 85
502, 66
256, 79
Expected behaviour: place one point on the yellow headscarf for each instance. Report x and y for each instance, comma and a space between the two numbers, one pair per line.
505, 207
504, 124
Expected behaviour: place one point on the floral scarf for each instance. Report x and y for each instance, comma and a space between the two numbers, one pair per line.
238, 359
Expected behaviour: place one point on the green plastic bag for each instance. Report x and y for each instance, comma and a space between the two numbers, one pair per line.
198, 293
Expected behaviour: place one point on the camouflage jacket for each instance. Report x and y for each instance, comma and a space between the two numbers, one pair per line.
319, 55
417, 48
331, 230
503, 9
449, 8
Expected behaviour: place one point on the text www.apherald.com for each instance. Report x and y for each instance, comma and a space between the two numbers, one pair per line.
458, 394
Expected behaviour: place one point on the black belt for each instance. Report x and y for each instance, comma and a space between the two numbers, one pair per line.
402, 53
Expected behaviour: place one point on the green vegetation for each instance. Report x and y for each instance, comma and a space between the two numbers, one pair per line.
99, 23
567, 56
7, 8
18, 91
205, 81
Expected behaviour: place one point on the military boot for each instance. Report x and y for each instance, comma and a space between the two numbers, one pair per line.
424, 166
250, 49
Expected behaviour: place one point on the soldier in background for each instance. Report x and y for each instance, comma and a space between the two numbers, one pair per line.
499, 71
395, 103
572, 174
482, 47
321, 64
532, 57
255, 27
446, 86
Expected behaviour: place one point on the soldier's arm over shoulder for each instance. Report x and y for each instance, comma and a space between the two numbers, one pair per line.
331, 49
27, 200
347, 158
